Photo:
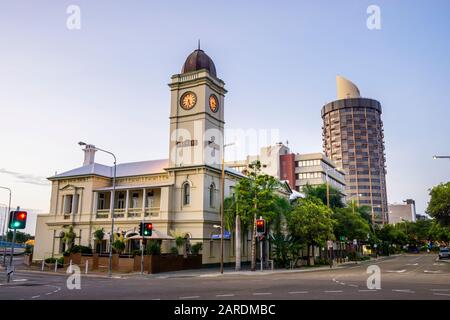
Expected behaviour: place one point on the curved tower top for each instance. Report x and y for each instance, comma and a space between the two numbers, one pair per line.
346, 89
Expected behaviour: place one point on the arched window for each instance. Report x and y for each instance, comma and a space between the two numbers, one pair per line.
186, 193
212, 199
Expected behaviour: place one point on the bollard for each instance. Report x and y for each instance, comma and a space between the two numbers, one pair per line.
56, 266
87, 267
43, 265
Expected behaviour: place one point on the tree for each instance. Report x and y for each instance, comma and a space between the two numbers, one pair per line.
99, 234
119, 244
439, 204
21, 237
350, 224
310, 221
69, 237
256, 196
320, 192
286, 248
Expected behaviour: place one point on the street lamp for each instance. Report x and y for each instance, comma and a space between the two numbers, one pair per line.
222, 200
111, 239
440, 157
5, 226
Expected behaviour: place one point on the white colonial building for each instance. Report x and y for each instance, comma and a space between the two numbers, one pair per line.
180, 193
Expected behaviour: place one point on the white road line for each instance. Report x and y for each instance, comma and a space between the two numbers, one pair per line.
190, 297
440, 289
20, 280
297, 292
48, 293
412, 264
396, 271
225, 295
353, 285
261, 293
403, 290
333, 291
34, 297
442, 294
431, 271
367, 290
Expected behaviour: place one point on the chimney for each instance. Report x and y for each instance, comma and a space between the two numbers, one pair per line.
89, 154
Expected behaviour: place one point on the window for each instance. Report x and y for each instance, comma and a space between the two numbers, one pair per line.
134, 200
186, 193
211, 195
121, 201
101, 201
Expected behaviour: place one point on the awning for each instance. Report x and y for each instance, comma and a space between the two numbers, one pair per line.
156, 235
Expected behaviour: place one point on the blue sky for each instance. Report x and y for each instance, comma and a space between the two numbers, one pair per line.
107, 82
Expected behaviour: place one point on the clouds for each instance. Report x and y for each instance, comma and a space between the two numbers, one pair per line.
26, 178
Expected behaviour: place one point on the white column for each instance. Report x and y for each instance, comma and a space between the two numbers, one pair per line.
127, 201
144, 198
74, 208
111, 204
63, 204
95, 205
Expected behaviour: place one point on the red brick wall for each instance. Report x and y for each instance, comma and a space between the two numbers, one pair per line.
287, 168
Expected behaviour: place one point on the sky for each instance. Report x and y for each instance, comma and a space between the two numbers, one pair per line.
106, 83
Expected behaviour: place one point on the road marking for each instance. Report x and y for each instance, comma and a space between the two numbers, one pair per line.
438, 264
353, 285
157, 299
367, 290
403, 290
34, 297
49, 293
442, 294
297, 292
20, 280
412, 264
333, 291
190, 297
261, 293
440, 289
431, 271
225, 295
396, 271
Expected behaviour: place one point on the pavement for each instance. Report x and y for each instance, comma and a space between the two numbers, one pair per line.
407, 276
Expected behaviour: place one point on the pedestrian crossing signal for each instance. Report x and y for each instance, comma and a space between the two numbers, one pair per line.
260, 226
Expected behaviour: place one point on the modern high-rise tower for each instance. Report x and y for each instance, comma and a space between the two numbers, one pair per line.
353, 138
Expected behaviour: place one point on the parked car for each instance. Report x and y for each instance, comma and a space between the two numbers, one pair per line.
444, 253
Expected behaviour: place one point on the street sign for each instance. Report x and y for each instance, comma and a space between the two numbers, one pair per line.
342, 238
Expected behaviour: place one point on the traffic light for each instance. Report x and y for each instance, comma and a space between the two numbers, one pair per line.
260, 226
148, 228
17, 219
145, 229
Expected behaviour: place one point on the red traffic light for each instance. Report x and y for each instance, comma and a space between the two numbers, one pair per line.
148, 226
260, 226
21, 215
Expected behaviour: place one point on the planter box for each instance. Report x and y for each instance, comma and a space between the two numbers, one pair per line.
28, 259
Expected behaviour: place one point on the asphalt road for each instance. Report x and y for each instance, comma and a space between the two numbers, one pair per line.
402, 277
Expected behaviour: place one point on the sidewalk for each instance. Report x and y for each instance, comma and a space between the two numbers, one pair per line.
204, 272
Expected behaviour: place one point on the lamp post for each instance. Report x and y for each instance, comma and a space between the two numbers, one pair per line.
222, 200
5, 226
111, 239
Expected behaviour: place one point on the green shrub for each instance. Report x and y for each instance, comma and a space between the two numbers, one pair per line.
174, 250
137, 252
61, 262
80, 249
153, 248
196, 248
50, 260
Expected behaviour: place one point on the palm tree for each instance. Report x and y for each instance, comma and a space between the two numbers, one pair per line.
69, 237
98, 236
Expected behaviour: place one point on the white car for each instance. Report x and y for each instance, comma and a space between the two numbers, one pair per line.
444, 253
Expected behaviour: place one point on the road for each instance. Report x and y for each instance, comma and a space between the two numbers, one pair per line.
402, 277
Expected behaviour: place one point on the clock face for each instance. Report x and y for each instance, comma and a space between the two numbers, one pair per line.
213, 103
188, 100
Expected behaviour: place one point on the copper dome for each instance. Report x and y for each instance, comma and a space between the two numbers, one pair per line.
198, 60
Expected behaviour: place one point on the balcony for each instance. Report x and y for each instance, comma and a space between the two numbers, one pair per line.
131, 213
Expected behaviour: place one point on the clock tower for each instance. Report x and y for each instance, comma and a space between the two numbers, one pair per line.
196, 114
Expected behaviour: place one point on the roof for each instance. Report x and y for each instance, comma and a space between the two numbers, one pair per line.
123, 170
198, 60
